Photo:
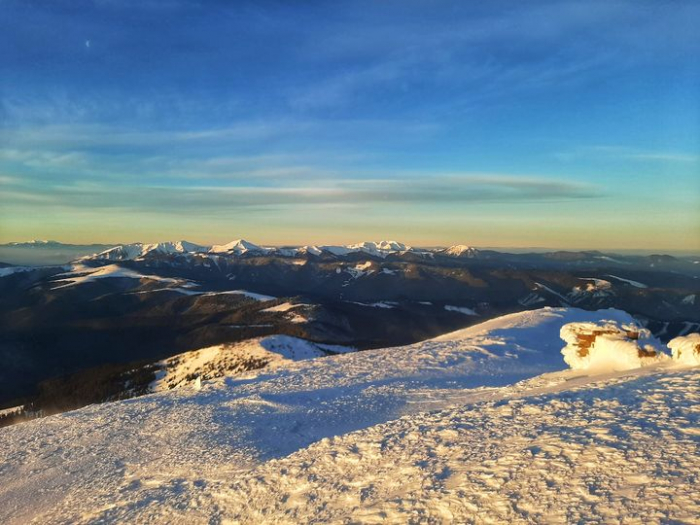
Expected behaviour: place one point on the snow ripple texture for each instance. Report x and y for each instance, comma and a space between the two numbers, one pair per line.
479, 426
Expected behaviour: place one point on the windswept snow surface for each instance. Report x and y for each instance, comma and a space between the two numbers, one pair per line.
435, 432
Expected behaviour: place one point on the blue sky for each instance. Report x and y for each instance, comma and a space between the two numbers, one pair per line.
553, 124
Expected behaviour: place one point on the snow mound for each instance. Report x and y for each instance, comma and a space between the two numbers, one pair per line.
686, 349
230, 359
609, 346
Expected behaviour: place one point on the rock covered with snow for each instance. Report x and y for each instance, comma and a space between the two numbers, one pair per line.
686, 349
609, 346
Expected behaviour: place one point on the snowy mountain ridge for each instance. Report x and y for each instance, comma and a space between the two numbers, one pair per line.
132, 251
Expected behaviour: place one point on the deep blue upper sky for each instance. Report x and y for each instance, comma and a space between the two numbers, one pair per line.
560, 124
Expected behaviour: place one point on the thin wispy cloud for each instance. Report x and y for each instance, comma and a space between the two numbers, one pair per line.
626, 153
403, 192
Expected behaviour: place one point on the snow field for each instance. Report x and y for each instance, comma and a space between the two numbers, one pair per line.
482, 425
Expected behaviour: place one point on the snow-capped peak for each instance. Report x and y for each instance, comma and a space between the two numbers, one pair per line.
238, 247
460, 250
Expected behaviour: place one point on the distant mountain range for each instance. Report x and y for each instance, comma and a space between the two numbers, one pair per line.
60, 253
242, 247
119, 304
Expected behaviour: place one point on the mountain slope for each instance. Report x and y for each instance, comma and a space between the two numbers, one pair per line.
614, 450
242, 448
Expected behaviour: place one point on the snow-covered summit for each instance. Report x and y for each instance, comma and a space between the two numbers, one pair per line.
237, 247
460, 250
132, 251
483, 424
